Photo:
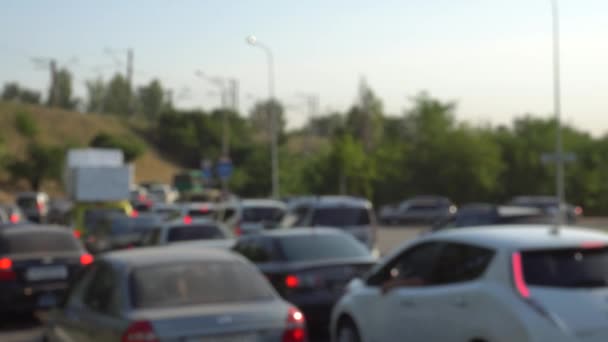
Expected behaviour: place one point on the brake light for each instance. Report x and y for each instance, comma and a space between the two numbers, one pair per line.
518, 276
593, 244
86, 259
238, 231
142, 198
6, 270
15, 218
134, 213
140, 331
76, 233
40, 206
292, 281
296, 326
204, 209
578, 211
187, 220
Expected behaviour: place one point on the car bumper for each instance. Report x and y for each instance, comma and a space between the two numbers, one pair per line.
316, 309
19, 298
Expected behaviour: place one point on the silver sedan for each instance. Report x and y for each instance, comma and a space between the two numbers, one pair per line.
162, 294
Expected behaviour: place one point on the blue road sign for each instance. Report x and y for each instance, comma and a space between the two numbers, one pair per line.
224, 168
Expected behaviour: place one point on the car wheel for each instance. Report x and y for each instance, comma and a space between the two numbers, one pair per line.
347, 332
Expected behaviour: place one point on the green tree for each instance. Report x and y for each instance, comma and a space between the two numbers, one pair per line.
96, 92
41, 162
13, 92
260, 119
151, 99
60, 92
131, 147
117, 99
25, 124
364, 120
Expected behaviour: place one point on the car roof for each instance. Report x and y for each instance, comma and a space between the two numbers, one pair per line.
520, 236
33, 228
301, 231
195, 220
157, 255
332, 201
262, 202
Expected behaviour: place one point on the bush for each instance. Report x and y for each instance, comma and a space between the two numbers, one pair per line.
25, 124
131, 147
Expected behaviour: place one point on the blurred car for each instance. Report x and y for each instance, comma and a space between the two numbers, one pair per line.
140, 200
118, 231
188, 229
151, 294
88, 214
477, 284
353, 215
481, 214
35, 205
166, 211
309, 267
11, 214
162, 193
420, 209
59, 211
36, 264
250, 216
550, 205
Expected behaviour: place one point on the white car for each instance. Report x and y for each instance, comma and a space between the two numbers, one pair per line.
485, 284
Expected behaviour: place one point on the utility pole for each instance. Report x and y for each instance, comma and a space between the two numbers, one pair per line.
129, 73
54, 96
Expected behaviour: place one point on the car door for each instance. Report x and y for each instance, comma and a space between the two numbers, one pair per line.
404, 303
456, 297
104, 302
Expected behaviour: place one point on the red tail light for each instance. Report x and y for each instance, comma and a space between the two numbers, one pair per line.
142, 198
140, 331
238, 231
6, 270
578, 211
15, 218
187, 220
292, 281
40, 206
204, 209
76, 233
134, 213
593, 244
86, 259
296, 326
518, 276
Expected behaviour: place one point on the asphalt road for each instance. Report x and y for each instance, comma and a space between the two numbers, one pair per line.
28, 328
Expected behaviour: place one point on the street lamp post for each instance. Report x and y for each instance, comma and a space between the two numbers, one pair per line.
274, 153
559, 158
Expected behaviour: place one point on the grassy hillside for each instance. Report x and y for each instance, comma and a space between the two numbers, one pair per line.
64, 127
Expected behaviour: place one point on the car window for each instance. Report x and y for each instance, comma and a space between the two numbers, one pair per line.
24, 242
341, 217
413, 267
102, 295
311, 247
74, 297
460, 262
195, 232
262, 214
258, 250
151, 237
296, 217
566, 268
196, 283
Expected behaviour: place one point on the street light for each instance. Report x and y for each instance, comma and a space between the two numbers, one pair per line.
559, 161
253, 41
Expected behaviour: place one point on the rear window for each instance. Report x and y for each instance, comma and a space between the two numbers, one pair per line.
27, 202
262, 214
196, 283
201, 212
195, 232
572, 268
37, 242
340, 217
320, 247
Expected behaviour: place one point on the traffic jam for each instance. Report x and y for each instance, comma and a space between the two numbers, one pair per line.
183, 262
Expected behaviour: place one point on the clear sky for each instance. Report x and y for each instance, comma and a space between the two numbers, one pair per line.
491, 56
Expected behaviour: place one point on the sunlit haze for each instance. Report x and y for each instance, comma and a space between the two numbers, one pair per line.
492, 57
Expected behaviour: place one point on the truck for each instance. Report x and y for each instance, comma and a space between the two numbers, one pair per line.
97, 181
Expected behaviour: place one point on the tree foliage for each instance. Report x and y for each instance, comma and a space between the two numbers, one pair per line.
41, 162
130, 147
13, 92
118, 96
60, 92
151, 99
25, 124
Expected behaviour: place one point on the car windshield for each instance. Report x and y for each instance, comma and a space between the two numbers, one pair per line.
27, 202
195, 232
262, 214
26, 242
197, 283
126, 225
340, 217
312, 247
569, 268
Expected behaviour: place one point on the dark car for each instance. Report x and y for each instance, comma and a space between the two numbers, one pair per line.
35, 205
351, 214
36, 264
420, 209
119, 231
550, 205
481, 214
309, 267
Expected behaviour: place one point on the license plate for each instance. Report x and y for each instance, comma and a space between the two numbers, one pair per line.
47, 300
46, 273
230, 338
